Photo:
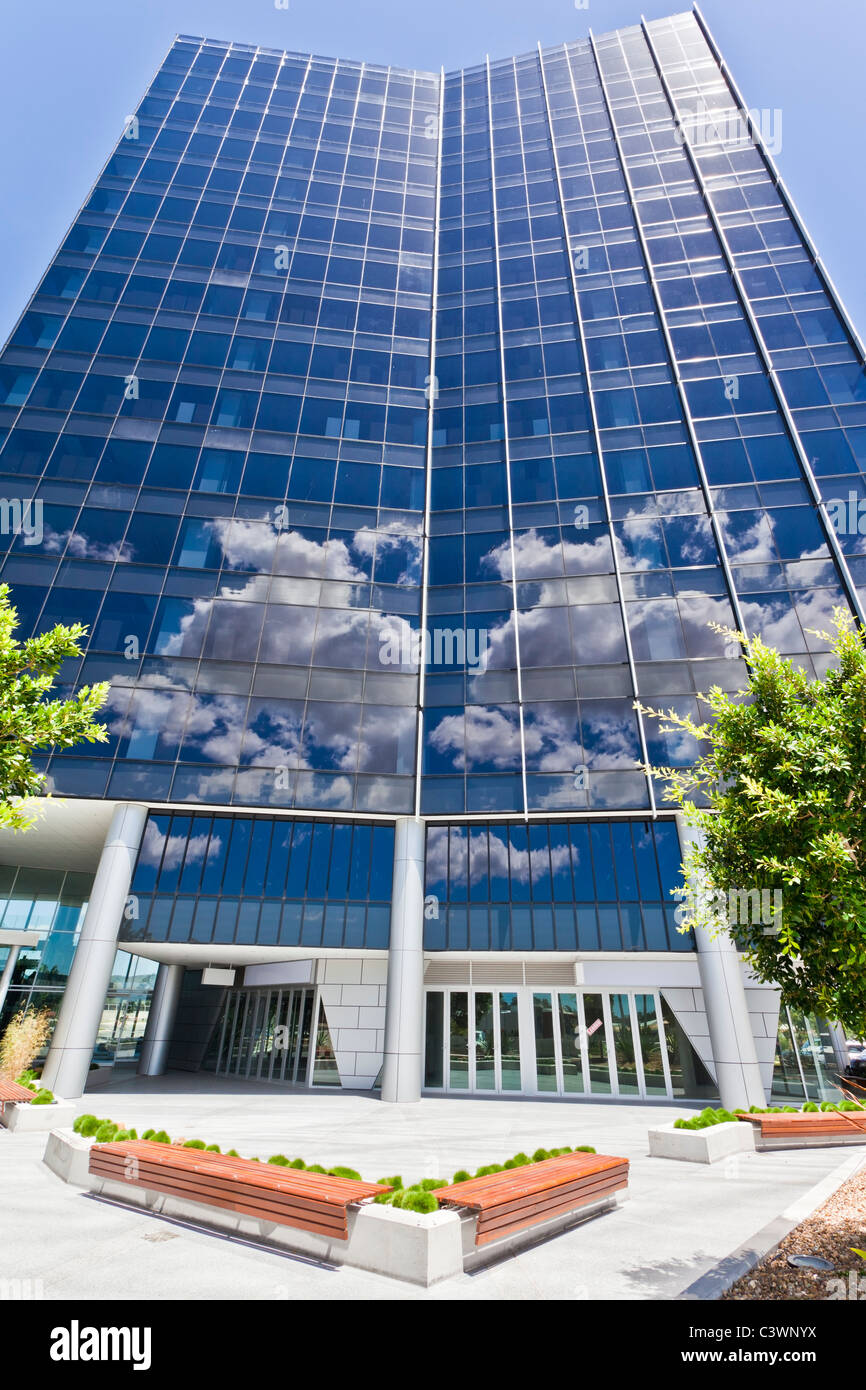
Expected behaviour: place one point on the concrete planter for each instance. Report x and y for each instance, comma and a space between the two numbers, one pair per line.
29, 1118
402, 1244
708, 1145
420, 1249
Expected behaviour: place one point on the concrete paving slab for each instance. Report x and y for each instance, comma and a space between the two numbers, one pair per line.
680, 1222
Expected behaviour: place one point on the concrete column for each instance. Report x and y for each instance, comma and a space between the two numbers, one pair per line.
75, 1032
160, 1020
8, 972
404, 1002
738, 1071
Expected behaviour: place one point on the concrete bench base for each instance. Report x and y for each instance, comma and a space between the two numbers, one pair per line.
476, 1257
419, 1249
708, 1145
30, 1118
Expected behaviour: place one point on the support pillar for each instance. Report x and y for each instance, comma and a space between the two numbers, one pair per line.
738, 1071
8, 972
77, 1026
404, 1002
160, 1020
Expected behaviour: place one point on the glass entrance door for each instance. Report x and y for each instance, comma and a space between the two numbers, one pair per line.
265, 1035
472, 1040
583, 1042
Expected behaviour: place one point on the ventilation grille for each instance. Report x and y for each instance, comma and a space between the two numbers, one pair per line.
446, 972
496, 972
505, 974
553, 975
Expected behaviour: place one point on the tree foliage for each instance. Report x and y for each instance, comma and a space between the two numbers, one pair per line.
779, 792
29, 721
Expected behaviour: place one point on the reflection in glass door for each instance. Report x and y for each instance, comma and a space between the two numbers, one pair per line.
265, 1035
597, 1054
595, 1042
509, 1042
485, 1043
472, 1040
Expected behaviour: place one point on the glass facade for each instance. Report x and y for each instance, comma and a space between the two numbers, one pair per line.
260, 881
360, 401
51, 904
396, 435
562, 886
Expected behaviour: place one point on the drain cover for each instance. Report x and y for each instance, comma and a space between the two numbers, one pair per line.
810, 1262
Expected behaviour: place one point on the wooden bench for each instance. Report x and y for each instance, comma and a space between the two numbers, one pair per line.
11, 1091
286, 1196
516, 1198
777, 1131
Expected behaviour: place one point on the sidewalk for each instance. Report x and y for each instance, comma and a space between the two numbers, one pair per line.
681, 1218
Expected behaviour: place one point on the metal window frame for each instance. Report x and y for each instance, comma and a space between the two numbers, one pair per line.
832, 539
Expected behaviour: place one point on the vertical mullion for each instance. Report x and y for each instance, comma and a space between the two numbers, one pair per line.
596, 433
673, 361
761, 346
781, 188
428, 458
506, 448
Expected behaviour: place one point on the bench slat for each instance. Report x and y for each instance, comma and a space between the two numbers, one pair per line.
257, 1209
489, 1230
11, 1090
269, 1192
333, 1190
497, 1188
572, 1192
189, 1185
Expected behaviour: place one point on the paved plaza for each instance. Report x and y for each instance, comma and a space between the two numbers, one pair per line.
680, 1221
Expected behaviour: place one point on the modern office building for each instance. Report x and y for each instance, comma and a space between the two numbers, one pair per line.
394, 432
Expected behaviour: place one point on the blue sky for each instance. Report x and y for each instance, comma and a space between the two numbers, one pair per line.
71, 73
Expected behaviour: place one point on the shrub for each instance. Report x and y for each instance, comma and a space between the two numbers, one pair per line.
123, 1135
585, 1149
417, 1200
106, 1132
89, 1125
28, 1077
148, 1134
395, 1182
340, 1172
43, 1097
810, 1106
316, 1168
279, 1159
298, 1163
461, 1176
521, 1160
431, 1184
212, 1149
193, 1143
826, 1105
26, 1035
540, 1155
232, 1153
160, 1137
82, 1120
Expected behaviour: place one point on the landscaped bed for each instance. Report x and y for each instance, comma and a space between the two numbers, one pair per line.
835, 1232
721, 1116
416, 1196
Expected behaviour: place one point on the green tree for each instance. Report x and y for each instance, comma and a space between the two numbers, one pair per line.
779, 791
29, 721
